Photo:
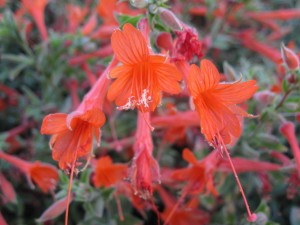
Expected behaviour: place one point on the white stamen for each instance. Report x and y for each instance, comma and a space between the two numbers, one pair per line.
131, 103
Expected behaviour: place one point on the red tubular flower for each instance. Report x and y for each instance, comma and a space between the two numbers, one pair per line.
36, 8
287, 129
142, 76
45, 176
8, 191
144, 169
75, 16
265, 50
199, 175
246, 165
281, 14
219, 114
107, 173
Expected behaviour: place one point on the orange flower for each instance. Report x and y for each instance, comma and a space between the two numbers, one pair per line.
143, 75
45, 176
199, 175
216, 102
73, 134
187, 213
107, 173
219, 114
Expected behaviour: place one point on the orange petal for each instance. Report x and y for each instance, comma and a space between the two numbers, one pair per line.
188, 156
120, 70
107, 173
44, 175
167, 70
120, 88
168, 82
209, 75
54, 123
129, 46
193, 80
93, 116
235, 93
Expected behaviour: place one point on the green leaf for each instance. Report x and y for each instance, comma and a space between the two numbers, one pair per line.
285, 85
122, 19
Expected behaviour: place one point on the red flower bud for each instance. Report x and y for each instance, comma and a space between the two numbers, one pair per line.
266, 97
289, 57
169, 19
287, 129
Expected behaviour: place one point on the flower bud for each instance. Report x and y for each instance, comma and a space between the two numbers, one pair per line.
139, 3
169, 19
289, 57
266, 97
55, 210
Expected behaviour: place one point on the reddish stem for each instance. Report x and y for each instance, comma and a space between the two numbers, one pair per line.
70, 188
119, 206
251, 216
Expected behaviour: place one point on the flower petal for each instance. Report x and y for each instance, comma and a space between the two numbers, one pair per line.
235, 93
194, 80
54, 123
120, 88
209, 75
188, 156
129, 45
119, 71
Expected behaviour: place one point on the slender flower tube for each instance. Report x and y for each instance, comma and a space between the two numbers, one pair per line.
287, 129
144, 169
36, 8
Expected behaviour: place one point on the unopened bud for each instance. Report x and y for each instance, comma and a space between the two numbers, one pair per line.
139, 3
289, 57
169, 19
286, 129
56, 209
266, 97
